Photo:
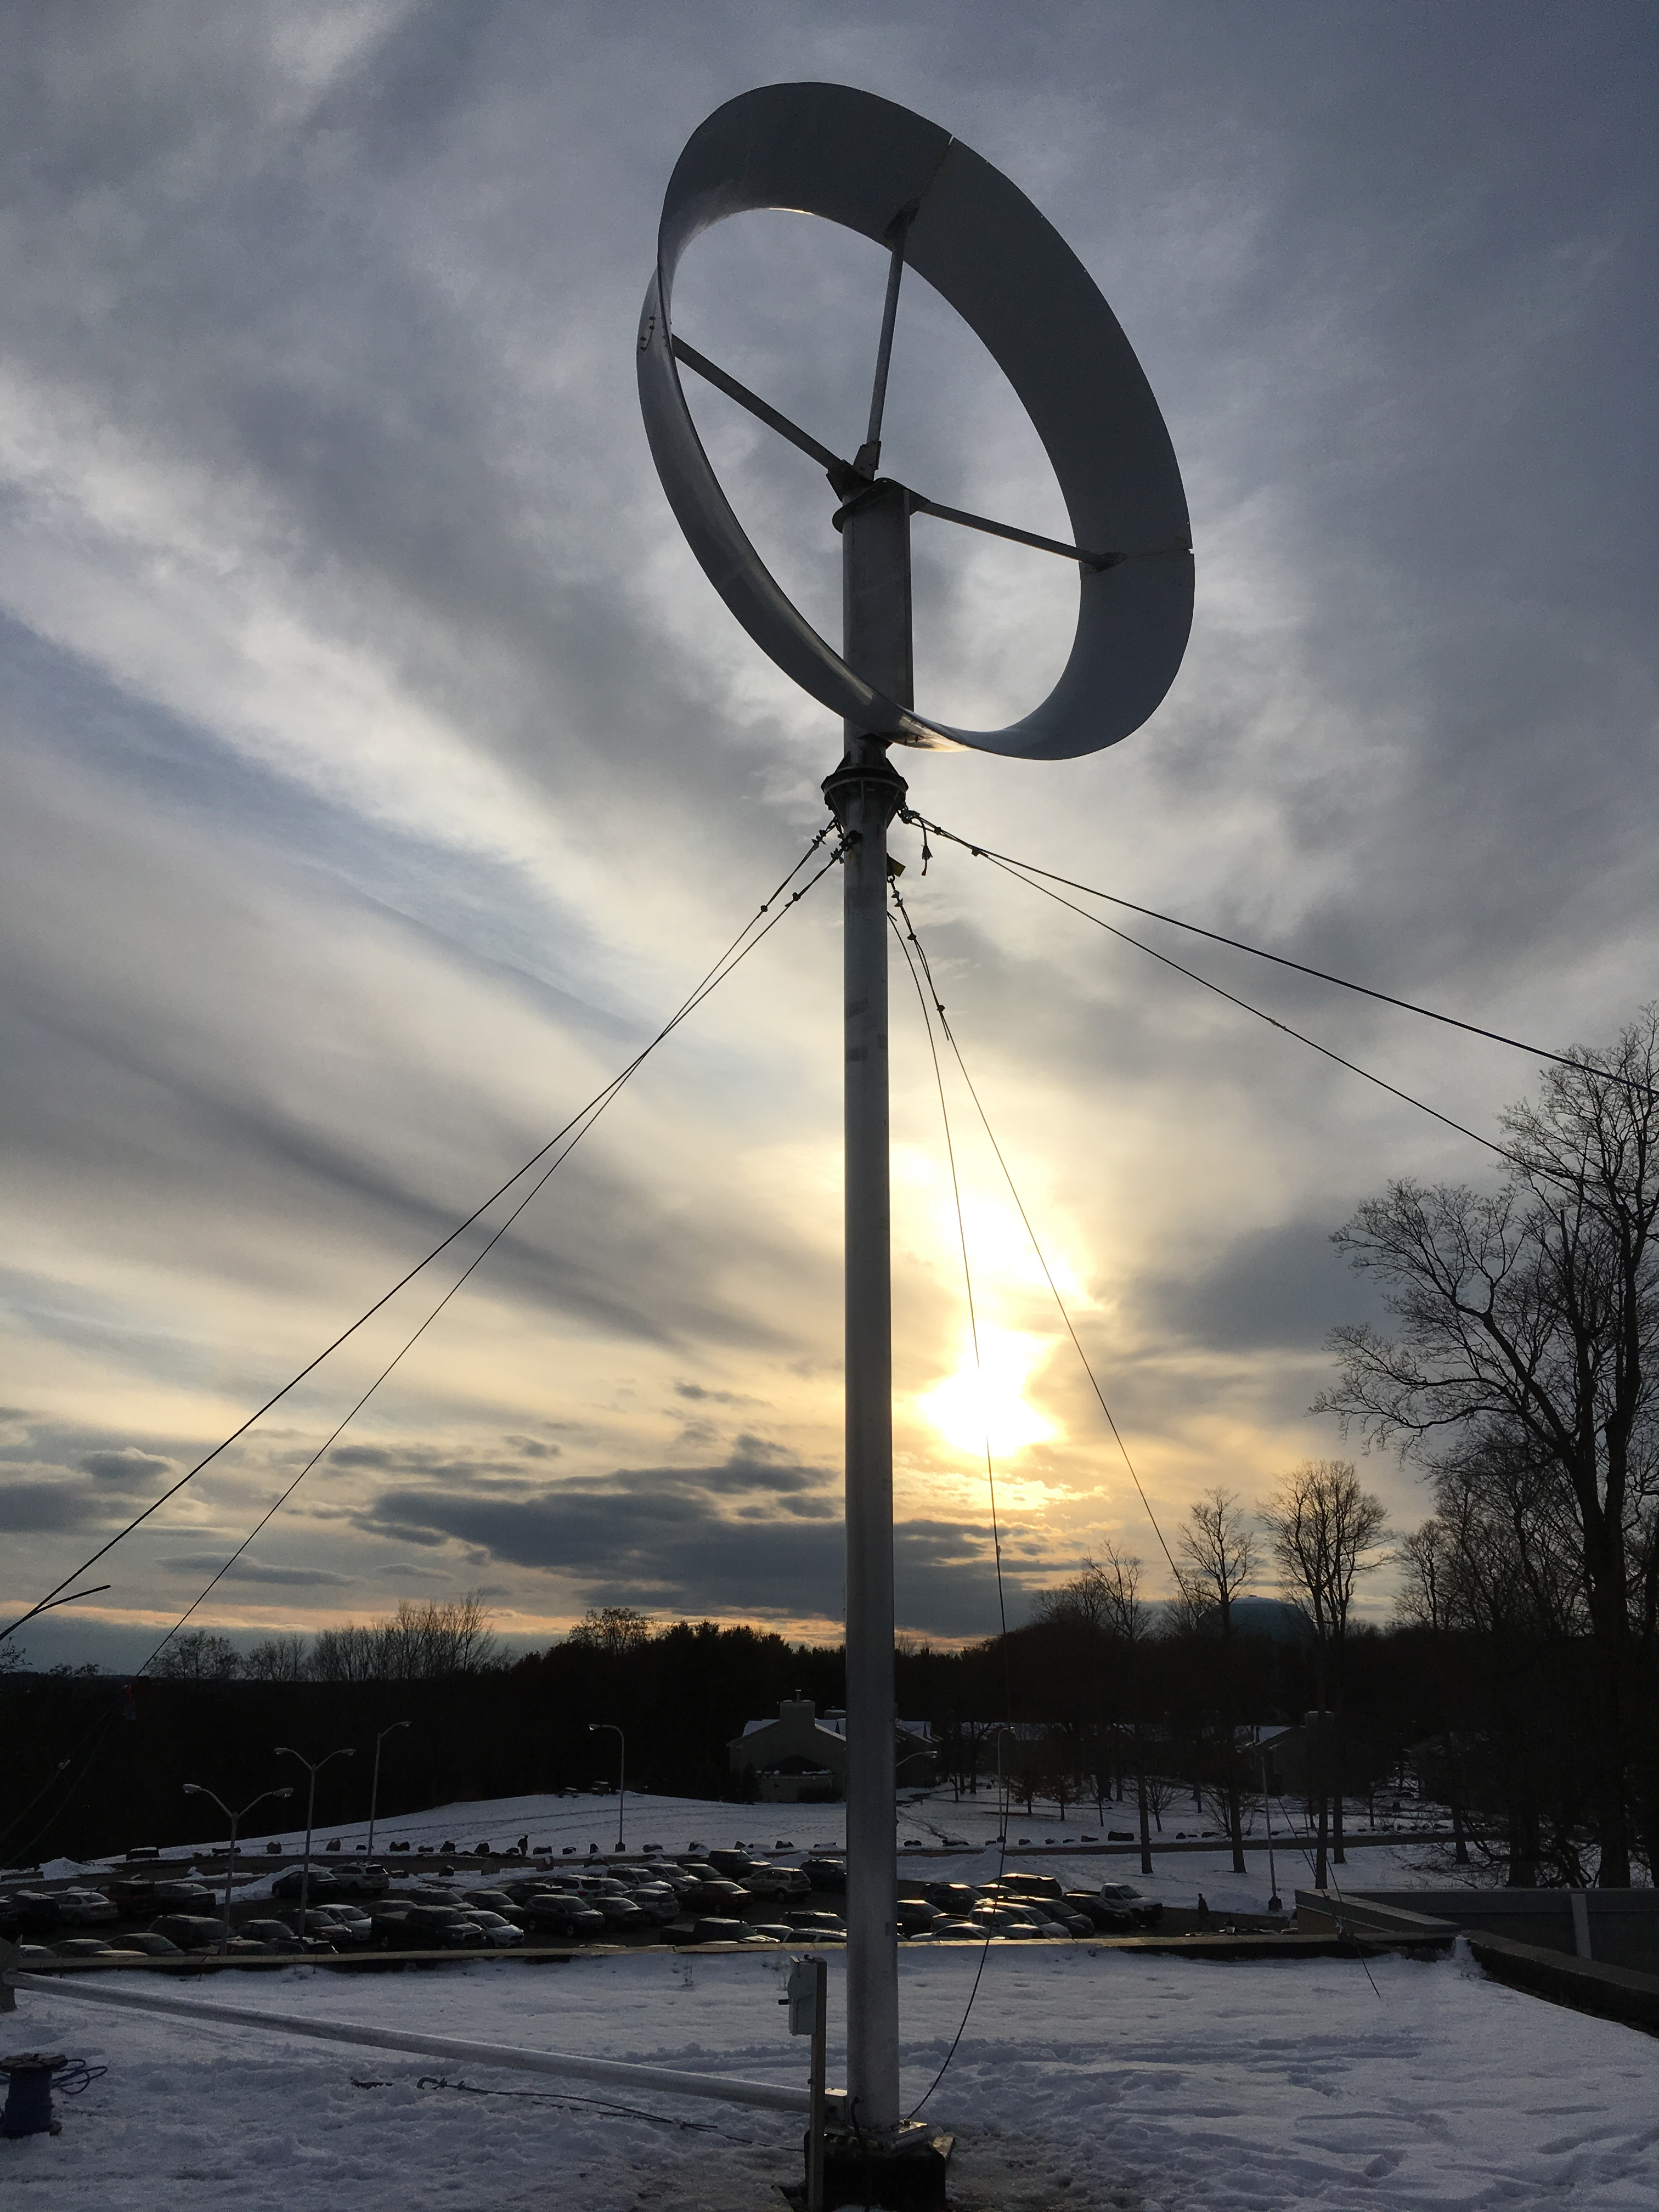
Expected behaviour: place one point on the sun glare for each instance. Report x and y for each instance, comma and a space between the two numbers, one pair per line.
990, 1401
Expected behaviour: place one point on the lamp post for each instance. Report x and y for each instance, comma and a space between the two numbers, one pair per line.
313, 1768
195, 1790
374, 1786
593, 1728
1274, 1903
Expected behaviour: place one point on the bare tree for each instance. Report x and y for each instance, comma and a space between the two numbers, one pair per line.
425, 1640
278, 1659
1113, 1585
1325, 1533
1219, 1549
197, 1655
613, 1628
1533, 1312
1424, 1591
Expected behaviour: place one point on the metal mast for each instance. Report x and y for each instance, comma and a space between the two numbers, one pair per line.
864, 795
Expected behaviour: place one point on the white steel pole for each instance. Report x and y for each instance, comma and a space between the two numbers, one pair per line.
865, 793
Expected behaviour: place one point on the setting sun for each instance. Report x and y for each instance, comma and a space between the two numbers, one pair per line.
977, 1403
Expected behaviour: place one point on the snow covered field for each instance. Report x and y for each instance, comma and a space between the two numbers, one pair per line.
1088, 2080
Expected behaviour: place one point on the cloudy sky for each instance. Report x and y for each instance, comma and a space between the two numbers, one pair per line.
379, 769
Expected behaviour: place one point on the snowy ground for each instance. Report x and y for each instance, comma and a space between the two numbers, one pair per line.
1086, 2079
678, 1823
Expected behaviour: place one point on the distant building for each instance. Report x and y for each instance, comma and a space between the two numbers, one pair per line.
800, 1758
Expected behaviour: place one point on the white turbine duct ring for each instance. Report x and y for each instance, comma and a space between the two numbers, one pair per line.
828, 150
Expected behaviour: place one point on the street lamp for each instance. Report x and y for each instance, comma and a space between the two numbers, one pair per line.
374, 1787
1274, 1903
314, 1767
195, 1790
594, 1727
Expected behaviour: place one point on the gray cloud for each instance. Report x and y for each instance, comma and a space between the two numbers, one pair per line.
245, 1569
1284, 1287
126, 1468
377, 766
27, 1506
657, 1544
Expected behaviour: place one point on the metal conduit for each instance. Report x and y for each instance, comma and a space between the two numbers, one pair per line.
670, 2080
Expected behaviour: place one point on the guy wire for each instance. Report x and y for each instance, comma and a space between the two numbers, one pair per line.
579, 1123
1259, 952
990, 1478
602, 1098
592, 1112
950, 1038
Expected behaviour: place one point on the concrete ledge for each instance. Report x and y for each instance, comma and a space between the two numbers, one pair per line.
1280, 1943
1618, 1993
1320, 1912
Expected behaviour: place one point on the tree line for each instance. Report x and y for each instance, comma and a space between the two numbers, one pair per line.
1519, 1680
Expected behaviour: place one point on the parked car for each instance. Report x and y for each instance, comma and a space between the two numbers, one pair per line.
657, 1873
716, 1930
1020, 1922
1029, 1884
324, 1886
958, 1898
826, 1874
917, 1917
499, 1933
428, 1928
189, 1931
499, 1901
359, 1881
717, 1896
30, 1912
657, 1902
84, 1908
736, 1866
767, 1881
342, 1925
134, 1894
1122, 1897
564, 1915
277, 1936
91, 1947
151, 1946
621, 1915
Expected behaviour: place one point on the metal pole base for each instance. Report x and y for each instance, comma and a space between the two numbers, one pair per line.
903, 2169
